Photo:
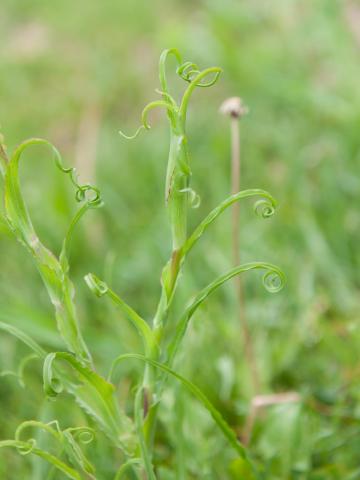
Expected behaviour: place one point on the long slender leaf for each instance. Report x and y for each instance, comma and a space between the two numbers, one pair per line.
216, 415
100, 288
139, 421
266, 207
28, 448
65, 439
128, 464
23, 337
94, 394
52, 270
272, 275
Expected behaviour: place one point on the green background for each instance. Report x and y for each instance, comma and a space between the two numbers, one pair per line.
75, 73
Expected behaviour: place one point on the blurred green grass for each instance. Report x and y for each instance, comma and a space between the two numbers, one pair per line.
75, 74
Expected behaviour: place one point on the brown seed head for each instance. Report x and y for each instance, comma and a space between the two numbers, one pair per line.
233, 107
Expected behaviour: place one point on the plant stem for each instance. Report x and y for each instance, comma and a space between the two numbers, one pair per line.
234, 108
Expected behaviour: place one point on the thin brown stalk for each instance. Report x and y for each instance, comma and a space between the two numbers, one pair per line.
260, 402
234, 108
85, 161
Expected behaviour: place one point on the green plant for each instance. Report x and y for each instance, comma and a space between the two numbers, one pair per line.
73, 370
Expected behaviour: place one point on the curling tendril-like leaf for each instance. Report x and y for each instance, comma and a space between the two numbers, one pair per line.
273, 281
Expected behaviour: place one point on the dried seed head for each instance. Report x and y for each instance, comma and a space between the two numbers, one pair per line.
233, 107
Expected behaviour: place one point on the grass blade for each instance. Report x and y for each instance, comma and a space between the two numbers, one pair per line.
216, 415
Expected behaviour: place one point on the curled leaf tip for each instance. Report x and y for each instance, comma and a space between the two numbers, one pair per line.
189, 71
52, 385
194, 198
85, 435
97, 286
90, 194
265, 208
136, 134
274, 280
28, 447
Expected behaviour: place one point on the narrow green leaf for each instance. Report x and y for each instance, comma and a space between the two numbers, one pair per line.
139, 422
264, 207
52, 270
216, 71
162, 66
23, 337
93, 394
273, 281
216, 415
100, 288
76, 455
27, 448
66, 439
126, 466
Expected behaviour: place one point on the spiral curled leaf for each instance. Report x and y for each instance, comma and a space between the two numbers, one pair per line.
144, 116
97, 286
188, 71
47, 427
264, 208
273, 280
195, 82
25, 448
66, 439
85, 435
81, 190
52, 385
267, 202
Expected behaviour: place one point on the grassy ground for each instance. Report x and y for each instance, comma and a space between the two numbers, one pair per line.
75, 74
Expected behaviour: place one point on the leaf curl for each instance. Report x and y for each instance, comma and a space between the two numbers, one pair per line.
189, 70
162, 66
52, 270
273, 280
145, 113
93, 393
216, 71
265, 207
